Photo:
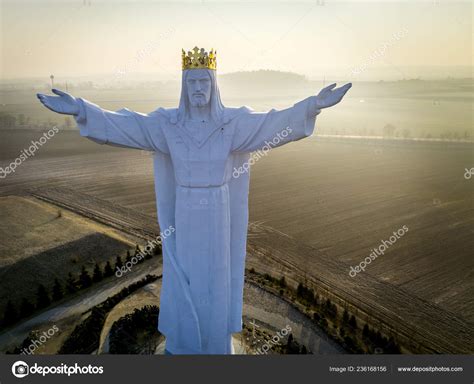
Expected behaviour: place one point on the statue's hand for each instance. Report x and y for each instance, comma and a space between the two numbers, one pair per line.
330, 96
63, 103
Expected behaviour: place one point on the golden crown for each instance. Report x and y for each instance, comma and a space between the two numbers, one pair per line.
198, 59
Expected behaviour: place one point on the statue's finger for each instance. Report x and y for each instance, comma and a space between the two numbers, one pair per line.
343, 90
42, 98
349, 86
59, 93
329, 87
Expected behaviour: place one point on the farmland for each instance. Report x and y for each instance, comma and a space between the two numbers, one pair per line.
317, 207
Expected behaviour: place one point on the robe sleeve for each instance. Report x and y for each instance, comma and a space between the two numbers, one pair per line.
257, 130
123, 128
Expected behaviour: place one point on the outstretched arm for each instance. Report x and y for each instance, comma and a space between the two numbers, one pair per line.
123, 128
259, 130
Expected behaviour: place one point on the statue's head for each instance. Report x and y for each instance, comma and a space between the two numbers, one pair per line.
199, 83
199, 87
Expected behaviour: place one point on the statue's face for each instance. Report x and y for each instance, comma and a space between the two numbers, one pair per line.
198, 83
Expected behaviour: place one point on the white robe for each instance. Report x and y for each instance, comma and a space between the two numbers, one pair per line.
206, 202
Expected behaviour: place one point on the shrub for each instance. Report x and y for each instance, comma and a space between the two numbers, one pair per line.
108, 271
125, 332
353, 322
84, 278
97, 275
42, 298
26, 308
57, 290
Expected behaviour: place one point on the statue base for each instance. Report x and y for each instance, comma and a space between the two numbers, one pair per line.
237, 348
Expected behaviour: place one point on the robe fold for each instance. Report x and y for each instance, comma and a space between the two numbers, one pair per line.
206, 202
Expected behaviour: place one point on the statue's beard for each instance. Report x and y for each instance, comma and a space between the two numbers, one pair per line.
198, 102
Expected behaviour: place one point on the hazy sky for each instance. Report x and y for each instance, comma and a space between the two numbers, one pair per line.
367, 40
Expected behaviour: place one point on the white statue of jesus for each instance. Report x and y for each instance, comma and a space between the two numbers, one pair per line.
196, 148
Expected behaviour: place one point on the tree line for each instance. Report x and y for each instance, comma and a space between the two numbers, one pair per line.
72, 284
345, 329
85, 337
136, 333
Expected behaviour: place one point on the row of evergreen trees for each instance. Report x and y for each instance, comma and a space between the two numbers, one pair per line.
136, 333
325, 307
377, 342
292, 347
72, 284
348, 328
85, 337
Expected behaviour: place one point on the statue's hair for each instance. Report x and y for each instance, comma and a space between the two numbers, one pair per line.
217, 108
